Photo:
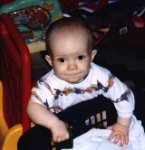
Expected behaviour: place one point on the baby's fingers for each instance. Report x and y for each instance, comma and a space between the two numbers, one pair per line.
126, 140
118, 138
58, 139
111, 136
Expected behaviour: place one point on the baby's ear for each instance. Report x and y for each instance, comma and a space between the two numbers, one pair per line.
48, 59
93, 54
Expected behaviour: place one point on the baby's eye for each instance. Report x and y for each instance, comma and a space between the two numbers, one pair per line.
81, 57
60, 60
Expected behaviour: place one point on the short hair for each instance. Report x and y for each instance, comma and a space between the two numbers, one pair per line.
70, 22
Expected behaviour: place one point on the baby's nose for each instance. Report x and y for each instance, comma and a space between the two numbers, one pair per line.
72, 66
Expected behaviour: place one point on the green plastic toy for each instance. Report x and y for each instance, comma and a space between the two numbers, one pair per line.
50, 5
32, 18
32, 14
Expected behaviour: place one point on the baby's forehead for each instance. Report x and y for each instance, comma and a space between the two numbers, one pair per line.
68, 31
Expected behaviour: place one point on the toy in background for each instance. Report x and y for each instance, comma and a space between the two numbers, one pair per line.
138, 18
32, 23
31, 18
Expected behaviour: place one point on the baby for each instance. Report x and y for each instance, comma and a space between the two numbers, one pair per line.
74, 79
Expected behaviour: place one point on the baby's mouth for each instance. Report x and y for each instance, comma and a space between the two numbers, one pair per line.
73, 75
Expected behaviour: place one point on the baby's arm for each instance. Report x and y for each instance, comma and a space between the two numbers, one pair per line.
120, 131
40, 115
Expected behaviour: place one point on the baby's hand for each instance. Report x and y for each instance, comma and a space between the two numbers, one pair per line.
119, 134
59, 131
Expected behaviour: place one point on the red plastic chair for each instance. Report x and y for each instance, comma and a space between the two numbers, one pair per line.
15, 74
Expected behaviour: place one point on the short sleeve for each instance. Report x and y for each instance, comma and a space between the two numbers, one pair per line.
42, 94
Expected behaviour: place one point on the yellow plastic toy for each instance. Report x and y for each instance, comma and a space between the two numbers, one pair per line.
8, 137
3, 125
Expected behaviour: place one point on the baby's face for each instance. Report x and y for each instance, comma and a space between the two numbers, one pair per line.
70, 58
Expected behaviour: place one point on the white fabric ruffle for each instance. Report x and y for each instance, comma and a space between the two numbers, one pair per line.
96, 139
